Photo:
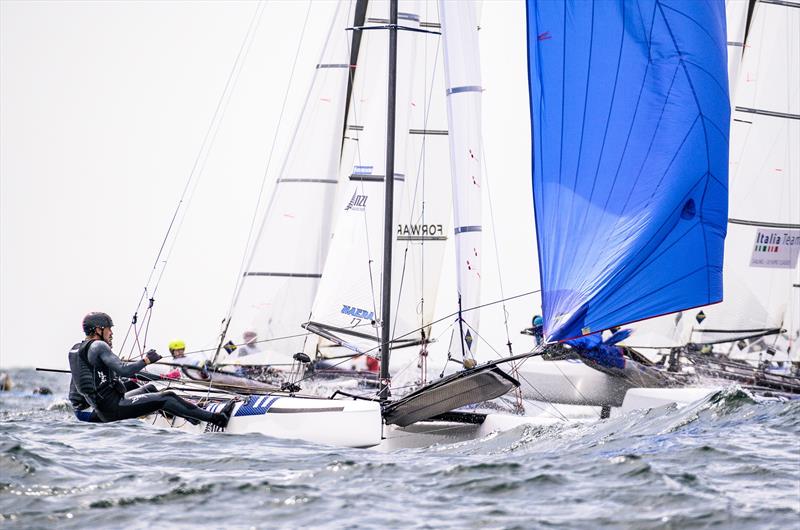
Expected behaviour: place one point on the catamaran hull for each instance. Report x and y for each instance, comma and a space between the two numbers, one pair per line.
570, 382
429, 433
340, 423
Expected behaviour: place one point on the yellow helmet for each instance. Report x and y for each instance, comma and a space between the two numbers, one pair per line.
177, 345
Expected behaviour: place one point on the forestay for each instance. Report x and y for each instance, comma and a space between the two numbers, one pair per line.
629, 105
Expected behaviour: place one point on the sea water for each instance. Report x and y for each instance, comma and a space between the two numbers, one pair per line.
725, 462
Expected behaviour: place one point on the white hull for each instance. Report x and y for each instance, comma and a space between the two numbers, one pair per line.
649, 398
570, 382
429, 433
334, 422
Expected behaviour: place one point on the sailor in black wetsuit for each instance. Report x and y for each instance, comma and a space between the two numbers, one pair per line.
96, 373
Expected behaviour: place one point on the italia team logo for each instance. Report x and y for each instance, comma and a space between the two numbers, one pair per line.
776, 249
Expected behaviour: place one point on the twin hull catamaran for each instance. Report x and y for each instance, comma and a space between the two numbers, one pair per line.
647, 190
330, 283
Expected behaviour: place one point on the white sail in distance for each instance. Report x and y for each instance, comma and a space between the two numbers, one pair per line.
736, 16
347, 308
280, 280
761, 248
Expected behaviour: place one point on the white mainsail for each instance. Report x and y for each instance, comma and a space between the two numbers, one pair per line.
464, 89
736, 15
280, 280
763, 240
348, 306
424, 207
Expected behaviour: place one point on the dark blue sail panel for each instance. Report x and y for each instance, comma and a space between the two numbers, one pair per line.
629, 117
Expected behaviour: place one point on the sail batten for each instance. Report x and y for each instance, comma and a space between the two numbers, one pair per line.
630, 183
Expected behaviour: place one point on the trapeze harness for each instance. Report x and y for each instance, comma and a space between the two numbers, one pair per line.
97, 378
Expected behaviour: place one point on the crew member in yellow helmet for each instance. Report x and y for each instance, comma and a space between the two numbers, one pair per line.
177, 348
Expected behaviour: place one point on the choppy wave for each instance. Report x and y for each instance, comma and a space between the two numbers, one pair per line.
728, 461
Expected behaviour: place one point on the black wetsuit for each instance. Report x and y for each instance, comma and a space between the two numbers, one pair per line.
96, 373
80, 406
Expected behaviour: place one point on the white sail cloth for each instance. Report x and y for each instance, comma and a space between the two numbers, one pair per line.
462, 69
283, 271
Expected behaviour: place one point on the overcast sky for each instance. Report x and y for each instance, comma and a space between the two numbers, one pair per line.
103, 111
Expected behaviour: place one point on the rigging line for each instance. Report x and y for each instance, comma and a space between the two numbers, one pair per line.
197, 166
375, 348
399, 293
451, 315
535, 403
205, 145
245, 262
420, 182
494, 237
241, 59
529, 383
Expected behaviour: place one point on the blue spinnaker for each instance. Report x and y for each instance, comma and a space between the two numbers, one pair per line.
630, 120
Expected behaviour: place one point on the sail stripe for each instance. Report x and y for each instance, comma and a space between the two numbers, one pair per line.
322, 409
763, 224
313, 181
463, 229
333, 66
375, 178
284, 274
738, 44
459, 89
780, 3
434, 132
769, 113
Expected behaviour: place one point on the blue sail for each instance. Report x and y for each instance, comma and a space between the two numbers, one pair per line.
630, 121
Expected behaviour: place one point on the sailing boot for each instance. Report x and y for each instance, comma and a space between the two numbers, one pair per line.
222, 417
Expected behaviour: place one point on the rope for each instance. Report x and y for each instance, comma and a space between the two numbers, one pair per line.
248, 251
197, 167
478, 336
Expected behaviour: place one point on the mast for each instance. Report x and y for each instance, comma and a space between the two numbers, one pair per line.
388, 222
